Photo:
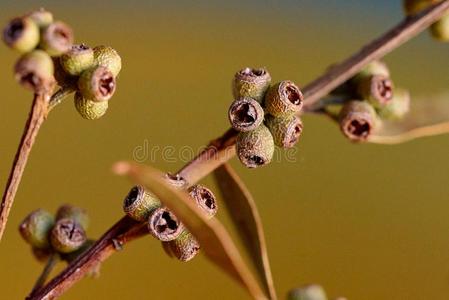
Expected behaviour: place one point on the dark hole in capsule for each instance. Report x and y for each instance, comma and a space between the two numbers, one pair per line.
253, 72
31, 79
166, 223
15, 29
385, 88
245, 113
132, 196
293, 95
296, 134
257, 160
209, 201
61, 35
107, 84
359, 128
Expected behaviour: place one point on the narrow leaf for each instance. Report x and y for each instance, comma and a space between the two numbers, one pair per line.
211, 234
428, 117
244, 213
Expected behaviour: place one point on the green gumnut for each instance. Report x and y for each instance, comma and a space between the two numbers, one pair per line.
36, 227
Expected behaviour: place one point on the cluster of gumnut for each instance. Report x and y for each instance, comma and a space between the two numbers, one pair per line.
50, 58
63, 234
440, 29
177, 241
265, 115
367, 99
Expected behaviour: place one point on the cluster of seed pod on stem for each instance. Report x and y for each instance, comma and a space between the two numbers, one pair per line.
177, 241
265, 115
440, 29
363, 102
49, 57
63, 234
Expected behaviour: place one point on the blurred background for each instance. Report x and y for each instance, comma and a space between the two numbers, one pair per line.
365, 221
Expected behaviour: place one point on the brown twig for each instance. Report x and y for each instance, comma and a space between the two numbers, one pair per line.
36, 117
221, 149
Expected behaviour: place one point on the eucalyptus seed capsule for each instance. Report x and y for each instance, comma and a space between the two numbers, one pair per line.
139, 203
71, 256
255, 148
357, 120
204, 198
41, 17
36, 227
376, 67
245, 114
21, 34
67, 236
286, 129
97, 84
34, 71
109, 58
164, 225
376, 89
73, 212
310, 292
78, 59
283, 97
88, 109
251, 83
440, 29
176, 181
398, 107
57, 38
183, 248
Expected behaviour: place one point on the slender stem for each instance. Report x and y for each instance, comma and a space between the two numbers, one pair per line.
51, 263
36, 117
60, 95
221, 149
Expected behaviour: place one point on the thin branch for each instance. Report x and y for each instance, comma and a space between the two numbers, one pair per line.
222, 149
51, 263
418, 132
36, 117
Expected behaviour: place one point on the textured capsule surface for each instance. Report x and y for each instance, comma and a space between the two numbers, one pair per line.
36, 227
398, 107
376, 89
164, 225
283, 97
67, 236
21, 34
97, 84
255, 148
78, 59
76, 213
139, 203
34, 71
286, 129
357, 120
88, 109
204, 198
183, 248
245, 114
309, 292
252, 83
57, 38
109, 58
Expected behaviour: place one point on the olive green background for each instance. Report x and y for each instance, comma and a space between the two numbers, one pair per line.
365, 221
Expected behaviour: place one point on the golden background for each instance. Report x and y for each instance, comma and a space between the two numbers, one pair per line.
366, 221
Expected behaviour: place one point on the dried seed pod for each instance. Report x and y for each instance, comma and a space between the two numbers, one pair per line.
357, 120
440, 29
376, 67
245, 114
36, 227
41, 255
286, 129
97, 84
71, 256
176, 181
109, 58
283, 97
255, 148
139, 204
184, 248
309, 292
63, 79
34, 71
57, 38
398, 107
204, 198
251, 83
21, 34
376, 89
164, 225
41, 17
67, 236
88, 109
78, 59
73, 212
